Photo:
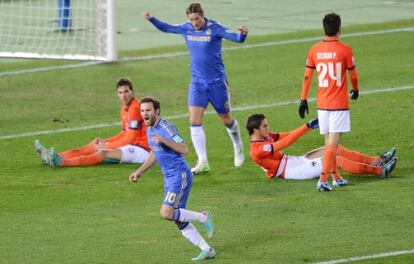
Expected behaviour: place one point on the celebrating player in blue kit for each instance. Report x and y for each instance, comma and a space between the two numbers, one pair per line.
168, 148
208, 84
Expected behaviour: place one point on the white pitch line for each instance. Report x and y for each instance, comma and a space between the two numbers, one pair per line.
376, 256
185, 53
235, 109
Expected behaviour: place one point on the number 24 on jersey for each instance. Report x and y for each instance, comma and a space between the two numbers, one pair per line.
329, 71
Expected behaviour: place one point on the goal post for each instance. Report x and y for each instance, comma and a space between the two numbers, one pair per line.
58, 29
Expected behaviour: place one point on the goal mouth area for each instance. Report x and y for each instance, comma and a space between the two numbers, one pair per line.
62, 29
29, 55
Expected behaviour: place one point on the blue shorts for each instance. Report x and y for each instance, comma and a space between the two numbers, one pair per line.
177, 188
216, 93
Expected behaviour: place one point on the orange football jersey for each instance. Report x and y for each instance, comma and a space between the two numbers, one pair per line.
331, 59
267, 153
133, 128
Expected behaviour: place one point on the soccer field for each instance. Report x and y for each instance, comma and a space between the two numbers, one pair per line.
94, 215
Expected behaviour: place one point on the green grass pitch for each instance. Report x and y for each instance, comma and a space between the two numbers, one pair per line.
94, 215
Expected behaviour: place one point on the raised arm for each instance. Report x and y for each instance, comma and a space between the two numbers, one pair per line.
287, 139
160, 25
232, 36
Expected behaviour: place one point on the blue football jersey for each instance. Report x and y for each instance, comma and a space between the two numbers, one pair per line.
204, 46
171, 162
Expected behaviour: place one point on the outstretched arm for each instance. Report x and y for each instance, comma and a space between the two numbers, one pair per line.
160, 25
286, 139
116, 137
126, 139
235, 37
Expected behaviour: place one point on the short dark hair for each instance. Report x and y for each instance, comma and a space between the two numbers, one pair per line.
124, 82
195, 8
331, 24
152, 100
253, 122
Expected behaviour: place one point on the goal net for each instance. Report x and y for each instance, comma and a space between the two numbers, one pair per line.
58, 29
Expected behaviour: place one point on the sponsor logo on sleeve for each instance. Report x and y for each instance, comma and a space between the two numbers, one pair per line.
134, 124
267, 148
178, 139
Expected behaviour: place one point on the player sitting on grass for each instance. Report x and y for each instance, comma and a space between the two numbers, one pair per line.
266, 150
129, 146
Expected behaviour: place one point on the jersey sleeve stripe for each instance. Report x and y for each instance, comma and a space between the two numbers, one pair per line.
164, 125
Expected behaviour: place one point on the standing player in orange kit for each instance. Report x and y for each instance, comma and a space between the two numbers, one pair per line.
128, 146
331, 59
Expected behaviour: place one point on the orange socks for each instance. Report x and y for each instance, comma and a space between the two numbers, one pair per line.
357, 156
329, 156
84, 160
348, 160
357, 167
85, 150
334, 168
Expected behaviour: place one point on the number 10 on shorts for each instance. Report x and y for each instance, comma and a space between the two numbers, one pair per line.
170, 197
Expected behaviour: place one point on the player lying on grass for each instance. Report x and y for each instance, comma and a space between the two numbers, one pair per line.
128, 146
168, 149
266, 150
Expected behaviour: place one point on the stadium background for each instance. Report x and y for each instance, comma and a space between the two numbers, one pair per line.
263, 17
93, 215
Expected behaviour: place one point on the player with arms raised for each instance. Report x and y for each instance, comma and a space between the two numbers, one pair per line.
331, 59
203, 38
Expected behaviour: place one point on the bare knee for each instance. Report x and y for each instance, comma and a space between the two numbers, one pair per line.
166, 213
196, 121
196, 115
103, 153
227, 119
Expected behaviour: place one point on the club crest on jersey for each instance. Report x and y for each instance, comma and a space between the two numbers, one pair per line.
227, 105
208, 31
267, 147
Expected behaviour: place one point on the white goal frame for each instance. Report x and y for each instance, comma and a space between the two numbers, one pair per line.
101, 45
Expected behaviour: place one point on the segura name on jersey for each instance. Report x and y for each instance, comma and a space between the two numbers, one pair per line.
325, 55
